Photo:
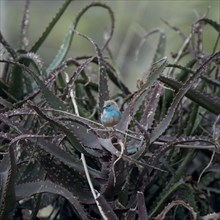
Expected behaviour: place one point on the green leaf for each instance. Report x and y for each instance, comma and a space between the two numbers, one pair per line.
157, 70
50, 27
53, 100
16, 85
62, 51
160, 51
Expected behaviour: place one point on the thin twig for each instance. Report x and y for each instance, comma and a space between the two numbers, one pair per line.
95, 195
120, 157
209, 164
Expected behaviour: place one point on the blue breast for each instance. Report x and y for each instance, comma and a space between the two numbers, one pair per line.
110, 118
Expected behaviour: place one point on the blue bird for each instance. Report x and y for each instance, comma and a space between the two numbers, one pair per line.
111, 114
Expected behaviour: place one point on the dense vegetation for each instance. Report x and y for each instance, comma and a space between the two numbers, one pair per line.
161, 161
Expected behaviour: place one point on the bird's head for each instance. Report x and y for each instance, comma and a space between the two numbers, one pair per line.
110, 105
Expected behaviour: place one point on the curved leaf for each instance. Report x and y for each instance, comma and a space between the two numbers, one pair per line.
29, 189
214, 24
163, 125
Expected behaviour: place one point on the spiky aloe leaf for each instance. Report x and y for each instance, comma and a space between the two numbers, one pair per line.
156, 71
163, 125
195, 119
82, 128
3, 85
185, 70
69, 85
7, 186
182, 76
207, 101
5, 103
52, 149
111, 14
64, 48
68, 131
7, 46
160, 50
103, 80
13, 125
16, 85
141, 150
106, 208
115, 79
117, 174
53, 100
142, 211
45, 145
103, 85
6, 136
62, 51
18, 112
67, 177
152, 104
107, 144
84, 133
33, 59
162, 215
24, 25
176, 29
62, 169
167, 146
47, 31
48, 82
30, 172
103, 77
131, 110
160, 200
214, 24
111, 74
29, 189
19, 83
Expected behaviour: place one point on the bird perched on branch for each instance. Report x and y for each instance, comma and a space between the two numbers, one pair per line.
111, 114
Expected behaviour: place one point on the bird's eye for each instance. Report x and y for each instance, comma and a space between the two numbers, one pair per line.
107, 106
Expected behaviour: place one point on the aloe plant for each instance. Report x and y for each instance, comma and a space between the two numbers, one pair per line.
54, 151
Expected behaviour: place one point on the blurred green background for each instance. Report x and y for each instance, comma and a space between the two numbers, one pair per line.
133, 19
